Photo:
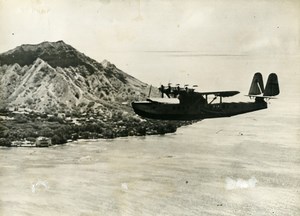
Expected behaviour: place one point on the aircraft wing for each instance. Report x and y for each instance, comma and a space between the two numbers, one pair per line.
221, 93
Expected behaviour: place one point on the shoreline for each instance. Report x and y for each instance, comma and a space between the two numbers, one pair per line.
35, 130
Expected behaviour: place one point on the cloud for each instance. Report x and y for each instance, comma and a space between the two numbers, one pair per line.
232, 184
39, 185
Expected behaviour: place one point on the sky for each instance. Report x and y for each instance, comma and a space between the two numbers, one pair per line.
212, 43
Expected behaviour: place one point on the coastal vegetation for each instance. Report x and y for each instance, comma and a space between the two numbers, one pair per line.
72, 126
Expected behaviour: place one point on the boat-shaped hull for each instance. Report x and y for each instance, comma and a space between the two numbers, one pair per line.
143, 110
156, 110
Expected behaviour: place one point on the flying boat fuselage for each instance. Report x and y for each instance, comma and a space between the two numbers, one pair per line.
196, 106
165, 111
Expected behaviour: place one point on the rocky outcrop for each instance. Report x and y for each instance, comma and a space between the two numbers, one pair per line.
55, 77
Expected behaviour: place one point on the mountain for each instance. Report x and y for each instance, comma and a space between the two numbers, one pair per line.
55, 77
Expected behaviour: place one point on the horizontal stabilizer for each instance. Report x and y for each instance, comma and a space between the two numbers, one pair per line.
259, 96
272, 86
257, 85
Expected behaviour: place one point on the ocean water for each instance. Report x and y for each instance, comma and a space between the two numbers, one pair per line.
243, 165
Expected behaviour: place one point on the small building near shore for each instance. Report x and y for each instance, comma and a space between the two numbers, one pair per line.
16, 143
43, 142
22, 143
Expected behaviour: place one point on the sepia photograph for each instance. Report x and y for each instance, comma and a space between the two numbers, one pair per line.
149, 107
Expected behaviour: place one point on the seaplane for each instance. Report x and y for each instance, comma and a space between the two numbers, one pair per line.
185, 103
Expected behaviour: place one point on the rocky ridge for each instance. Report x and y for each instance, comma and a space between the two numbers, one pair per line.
55, 77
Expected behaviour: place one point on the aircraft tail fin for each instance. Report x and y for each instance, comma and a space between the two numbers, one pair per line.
272, 86
257, 85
